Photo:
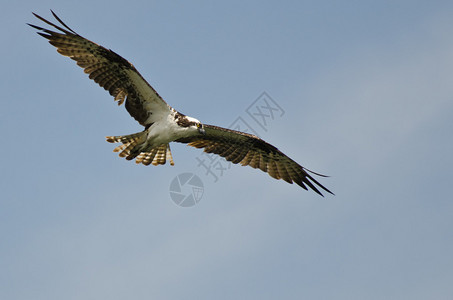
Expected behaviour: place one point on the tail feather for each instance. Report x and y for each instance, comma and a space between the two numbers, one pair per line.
157, 156
127, 138
120, 148
130, 152
131, 144
146, 158
169, 156
132, 148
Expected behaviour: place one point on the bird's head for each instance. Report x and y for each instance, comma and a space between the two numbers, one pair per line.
195, 125
200, 128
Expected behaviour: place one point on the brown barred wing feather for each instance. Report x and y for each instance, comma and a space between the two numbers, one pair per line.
249, 150
108, 69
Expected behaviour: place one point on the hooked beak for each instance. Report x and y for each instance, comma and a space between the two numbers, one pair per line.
202, 131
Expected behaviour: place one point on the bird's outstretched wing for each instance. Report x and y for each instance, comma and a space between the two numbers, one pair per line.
249, 150
112, 72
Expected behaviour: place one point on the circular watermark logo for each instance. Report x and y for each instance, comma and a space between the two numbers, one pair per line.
186, 189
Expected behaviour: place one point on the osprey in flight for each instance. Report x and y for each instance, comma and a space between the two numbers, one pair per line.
163, 124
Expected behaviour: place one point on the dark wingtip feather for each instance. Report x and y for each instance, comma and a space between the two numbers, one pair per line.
301, 184
318, 174
53, 25
36, 27
313, 187
320, 185
61, 22
47, 36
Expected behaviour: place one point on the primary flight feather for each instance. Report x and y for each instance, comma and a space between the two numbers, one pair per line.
163, 124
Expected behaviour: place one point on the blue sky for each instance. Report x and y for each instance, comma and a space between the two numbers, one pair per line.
368, 99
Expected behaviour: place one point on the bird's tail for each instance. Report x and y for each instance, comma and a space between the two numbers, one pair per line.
156, 156
132, 147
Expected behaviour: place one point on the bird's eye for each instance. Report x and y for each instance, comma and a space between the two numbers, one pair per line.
199, 125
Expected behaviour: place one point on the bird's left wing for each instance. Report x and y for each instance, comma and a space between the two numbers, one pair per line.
249, 150
112, 72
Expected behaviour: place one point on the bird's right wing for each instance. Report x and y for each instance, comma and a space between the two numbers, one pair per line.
112, 72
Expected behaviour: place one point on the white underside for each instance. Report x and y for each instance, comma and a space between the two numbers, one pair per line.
166, 130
